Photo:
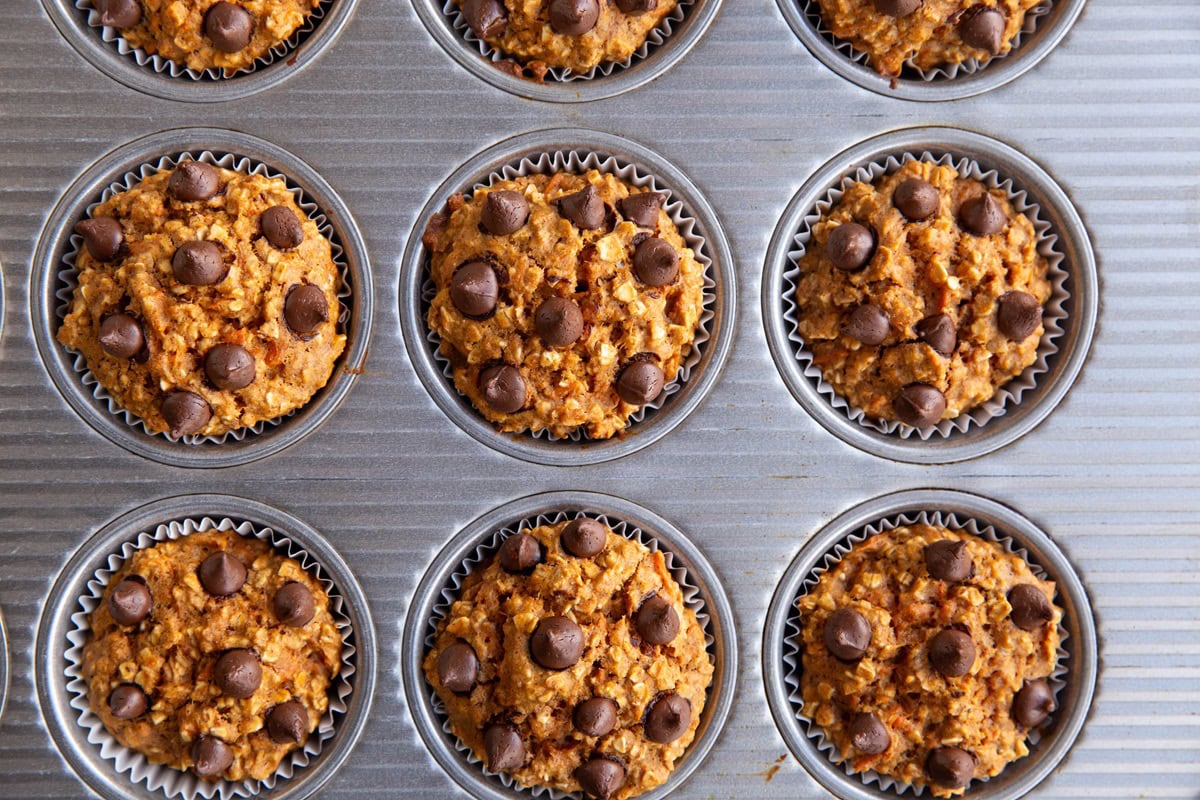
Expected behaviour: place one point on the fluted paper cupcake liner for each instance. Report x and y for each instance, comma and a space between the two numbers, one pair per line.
1053, 313
578, 162
160, 777
452, 590
792, 651
67, 279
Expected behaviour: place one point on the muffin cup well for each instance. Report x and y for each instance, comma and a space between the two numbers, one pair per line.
54, 275
441, 585
114, 771
544, 152
1069, 315
1073, 680
3, 664
1045, 26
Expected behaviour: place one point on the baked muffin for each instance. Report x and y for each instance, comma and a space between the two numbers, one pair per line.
570, 661
926, 656
564, 302
920, 295
927, 33
206, 301
568, 34
212, 653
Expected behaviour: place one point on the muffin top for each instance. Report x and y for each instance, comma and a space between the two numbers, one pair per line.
570, 660
564, 302
206, 34
929, 33
921, 294
212, 652
926, 654
206, 300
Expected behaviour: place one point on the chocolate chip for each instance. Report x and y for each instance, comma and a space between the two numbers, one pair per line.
228, 26
584, 537
596, 716
916, 199
1033, 703
520, 553
504, 212
238, 673
655, 261
642, 208
556, 643
211, 757
850, 246
636, 7
641, 382
504, 748
128, 701
503, 388
287, 723
573, 17
305, 308
919, 405
948, 560
868, 735
1018, 314
118, 13
282, 227
558, 321
939, 333
950, 767
102, 236
185, 413
458, 668
982, 215
198, 263
222, 574
193, 180
952, 653
487, 18
982, 28
129, 602
600, 777
868, 324
121, 336
294, 605
584, 208
656, 621
668, 718
474, 289
847, 634
897, 8
229, 366
1030, 608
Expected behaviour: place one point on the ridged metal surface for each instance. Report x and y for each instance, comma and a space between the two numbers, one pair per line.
1113, 475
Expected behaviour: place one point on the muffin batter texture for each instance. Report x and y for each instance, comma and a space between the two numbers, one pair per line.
926, 698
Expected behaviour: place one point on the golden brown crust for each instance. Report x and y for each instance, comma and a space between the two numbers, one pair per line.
920, 269
171, 654
886, 580
497, 611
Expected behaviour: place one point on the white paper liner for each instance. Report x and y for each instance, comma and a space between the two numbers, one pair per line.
943, 72
1053, 312
164, 66
793, 654
160, 777
486, 550
654, 39
67, 282
576, 162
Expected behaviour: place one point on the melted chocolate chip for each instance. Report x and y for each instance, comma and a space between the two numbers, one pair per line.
584, 537
198, 263
121, 336
118, 13
129, 602
916, 199
1030, 608
556, 643
948, 560
982, 28
504, 212
952, 653
222, 574
282, 227
503, 388
486, 18
656, 621
1018, 314
596, 716
573, 17
847, 634
636, 7
294, 605
211, 757
558, 321
655, 261
850, 246
520, 553
102, 236
458, 668
238, 673
939, 333
668, 719
185, 413
641, 382
305, 309
128, 701
504, 748
600, 777
228, 26
229, 366
642, 208
193, 180
1033, 704
950, 767
919, 405
287, 723
982, 215
584, 208
474, 289
897, 8
868, 735
868, 324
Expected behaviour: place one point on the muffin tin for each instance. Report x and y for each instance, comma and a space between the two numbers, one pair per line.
749, 115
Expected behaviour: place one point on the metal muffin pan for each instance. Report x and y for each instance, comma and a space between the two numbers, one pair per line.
83, 756
55, 242
3, 664
685, 555
1074, 700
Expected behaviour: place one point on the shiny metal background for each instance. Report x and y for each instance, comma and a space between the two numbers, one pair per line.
385, 115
